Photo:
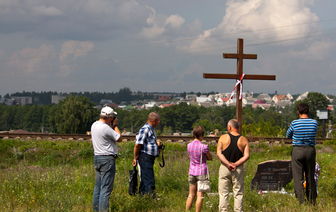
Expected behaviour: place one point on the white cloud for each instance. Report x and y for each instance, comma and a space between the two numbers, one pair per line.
258, 19
75, 48
46, 11
56, 36
318, 50
262, 14
29, 59
73, 20
166, 28
156, 24
175, 20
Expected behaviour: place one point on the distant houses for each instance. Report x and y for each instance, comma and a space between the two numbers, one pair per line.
56, 98
264, 101
18, 100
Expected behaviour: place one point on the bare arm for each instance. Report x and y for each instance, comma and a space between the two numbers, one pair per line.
246, 153
116, 129
137, 149
208, 156
221, 156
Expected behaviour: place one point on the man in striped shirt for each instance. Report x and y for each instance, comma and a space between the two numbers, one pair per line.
303, 132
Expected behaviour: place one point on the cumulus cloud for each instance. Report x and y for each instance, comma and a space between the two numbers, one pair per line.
167, 28
318, 50
175, 20
75, 48
260, 19
253, 15
156, 23
92, 20
73, 20
29, 59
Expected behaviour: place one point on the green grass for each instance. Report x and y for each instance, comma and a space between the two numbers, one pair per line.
59, 176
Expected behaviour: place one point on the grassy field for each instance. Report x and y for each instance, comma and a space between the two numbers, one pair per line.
59, 176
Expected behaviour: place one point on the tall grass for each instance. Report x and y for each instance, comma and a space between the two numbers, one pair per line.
59, 176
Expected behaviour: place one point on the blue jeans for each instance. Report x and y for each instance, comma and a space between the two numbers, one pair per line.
147, 182
105, 171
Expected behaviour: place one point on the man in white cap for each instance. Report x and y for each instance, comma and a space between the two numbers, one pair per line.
105, 134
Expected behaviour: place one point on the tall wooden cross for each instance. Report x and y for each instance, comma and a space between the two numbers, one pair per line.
239, 56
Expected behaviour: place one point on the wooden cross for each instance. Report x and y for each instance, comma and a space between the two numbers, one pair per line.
239, 56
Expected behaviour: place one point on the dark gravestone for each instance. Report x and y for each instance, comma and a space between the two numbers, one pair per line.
272, 175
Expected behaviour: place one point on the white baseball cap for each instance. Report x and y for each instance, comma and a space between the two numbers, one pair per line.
107, 111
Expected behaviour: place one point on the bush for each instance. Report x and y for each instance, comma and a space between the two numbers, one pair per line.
329, 142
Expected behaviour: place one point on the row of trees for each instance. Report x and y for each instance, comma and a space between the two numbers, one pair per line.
75, 114
123, 95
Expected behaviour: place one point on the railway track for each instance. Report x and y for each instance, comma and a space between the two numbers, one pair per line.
46, 136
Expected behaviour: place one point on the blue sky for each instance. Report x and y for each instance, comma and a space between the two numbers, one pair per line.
165, 46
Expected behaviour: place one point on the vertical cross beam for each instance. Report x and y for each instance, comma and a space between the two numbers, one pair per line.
239, 103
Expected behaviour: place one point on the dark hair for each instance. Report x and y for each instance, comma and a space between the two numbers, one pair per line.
198, 131
303, 108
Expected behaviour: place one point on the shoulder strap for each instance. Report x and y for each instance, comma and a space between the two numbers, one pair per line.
205, 163
163, 162
201, 159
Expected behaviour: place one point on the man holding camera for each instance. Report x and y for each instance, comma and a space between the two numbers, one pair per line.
105, 134
145, 150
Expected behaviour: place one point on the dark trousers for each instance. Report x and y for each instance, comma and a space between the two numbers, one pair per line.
303, 164
147, 180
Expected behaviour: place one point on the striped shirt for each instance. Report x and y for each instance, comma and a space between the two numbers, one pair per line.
303, 132
194, 150
147, 138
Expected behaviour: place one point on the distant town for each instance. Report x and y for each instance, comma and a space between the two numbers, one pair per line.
139, 100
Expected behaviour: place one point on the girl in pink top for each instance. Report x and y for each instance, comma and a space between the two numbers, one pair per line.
197, 170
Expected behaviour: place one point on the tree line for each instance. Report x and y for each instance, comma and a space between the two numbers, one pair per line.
123, 95
75, 114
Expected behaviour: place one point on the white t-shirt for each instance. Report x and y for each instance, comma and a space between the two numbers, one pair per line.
104, 139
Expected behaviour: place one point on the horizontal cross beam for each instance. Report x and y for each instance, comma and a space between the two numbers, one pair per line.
236, 56
236, 76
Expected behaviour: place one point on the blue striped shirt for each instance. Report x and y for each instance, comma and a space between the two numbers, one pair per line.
147, 138
303, 132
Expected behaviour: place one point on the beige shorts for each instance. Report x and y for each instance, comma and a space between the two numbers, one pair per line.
193, 179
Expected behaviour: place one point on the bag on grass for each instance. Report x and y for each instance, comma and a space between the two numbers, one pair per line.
133, 181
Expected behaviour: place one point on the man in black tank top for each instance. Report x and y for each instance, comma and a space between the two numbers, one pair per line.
233, 151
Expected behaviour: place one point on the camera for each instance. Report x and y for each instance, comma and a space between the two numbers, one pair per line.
161, 147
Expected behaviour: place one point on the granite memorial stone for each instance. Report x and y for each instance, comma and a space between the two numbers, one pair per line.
272, 175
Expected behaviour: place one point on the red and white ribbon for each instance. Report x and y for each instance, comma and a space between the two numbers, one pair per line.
239, 82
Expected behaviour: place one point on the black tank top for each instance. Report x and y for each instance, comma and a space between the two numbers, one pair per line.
232, 153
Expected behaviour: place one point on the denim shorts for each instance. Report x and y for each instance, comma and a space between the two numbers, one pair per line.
193, 179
